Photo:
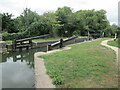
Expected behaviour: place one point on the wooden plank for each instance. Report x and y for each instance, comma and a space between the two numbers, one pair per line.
32, 38
23, 46
21, 42
56, 43
73, 37
64, 40
60, 43
42, 36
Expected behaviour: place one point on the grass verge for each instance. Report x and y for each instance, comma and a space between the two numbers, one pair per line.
46, 39
86, 65
113, 43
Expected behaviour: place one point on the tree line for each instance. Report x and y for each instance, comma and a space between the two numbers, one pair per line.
63, 23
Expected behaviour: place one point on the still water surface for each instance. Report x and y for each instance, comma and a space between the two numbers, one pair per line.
18, 69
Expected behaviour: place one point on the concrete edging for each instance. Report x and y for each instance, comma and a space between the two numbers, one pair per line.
42, 80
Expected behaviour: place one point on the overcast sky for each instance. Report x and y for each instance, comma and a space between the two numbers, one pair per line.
16, 7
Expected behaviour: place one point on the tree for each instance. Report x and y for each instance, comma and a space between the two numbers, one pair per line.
26, 19
111, 30
62, 16
38, 28
91, 21
62, 22
8, 24
51, 20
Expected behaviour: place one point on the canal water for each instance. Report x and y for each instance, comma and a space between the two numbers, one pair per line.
18, 68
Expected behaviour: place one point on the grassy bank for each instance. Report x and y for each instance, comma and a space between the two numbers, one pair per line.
113, 43
86, 65
46, 39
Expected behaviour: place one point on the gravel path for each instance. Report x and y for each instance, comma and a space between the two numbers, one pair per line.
104, 43
117, 50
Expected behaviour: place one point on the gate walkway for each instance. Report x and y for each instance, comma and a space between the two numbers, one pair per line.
25, 43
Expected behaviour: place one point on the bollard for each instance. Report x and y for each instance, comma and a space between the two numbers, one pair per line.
27, 48
30, 42
61, 43
49, 47
14, 45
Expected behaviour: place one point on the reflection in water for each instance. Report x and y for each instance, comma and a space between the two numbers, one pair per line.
18, 69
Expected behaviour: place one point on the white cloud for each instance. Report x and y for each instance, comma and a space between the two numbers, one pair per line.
17, 6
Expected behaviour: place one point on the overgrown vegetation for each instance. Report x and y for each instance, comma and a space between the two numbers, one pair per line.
62, 22
86, 65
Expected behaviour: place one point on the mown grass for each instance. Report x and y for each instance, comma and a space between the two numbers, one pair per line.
86, 65
114, 43
46, 39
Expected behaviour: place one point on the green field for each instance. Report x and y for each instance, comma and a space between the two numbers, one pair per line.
86, 65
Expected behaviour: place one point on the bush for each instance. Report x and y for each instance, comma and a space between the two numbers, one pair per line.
12, 36
35, 29
76, 33
38, 28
